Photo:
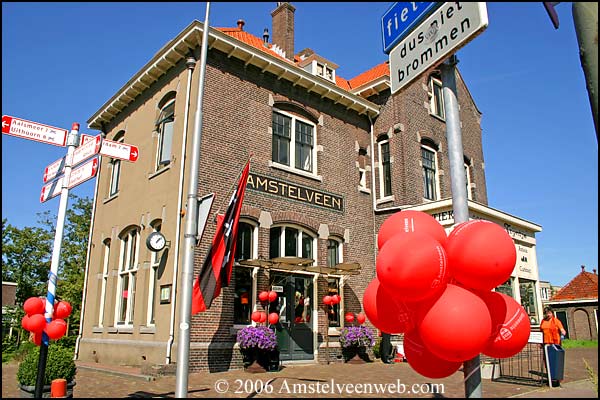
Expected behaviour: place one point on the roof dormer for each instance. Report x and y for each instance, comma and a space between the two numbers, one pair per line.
317, 65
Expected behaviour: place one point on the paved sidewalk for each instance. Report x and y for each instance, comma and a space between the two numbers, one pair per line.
373, 380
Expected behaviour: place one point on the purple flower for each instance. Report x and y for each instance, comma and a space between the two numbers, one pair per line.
258, 337
356, 336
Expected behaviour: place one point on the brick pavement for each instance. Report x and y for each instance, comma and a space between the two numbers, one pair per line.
316, 381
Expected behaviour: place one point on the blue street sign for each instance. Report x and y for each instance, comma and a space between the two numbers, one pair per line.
401, 18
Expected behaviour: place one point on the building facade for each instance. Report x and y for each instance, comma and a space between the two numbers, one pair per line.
331, 159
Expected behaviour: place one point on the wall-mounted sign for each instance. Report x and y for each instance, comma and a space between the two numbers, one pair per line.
294, 191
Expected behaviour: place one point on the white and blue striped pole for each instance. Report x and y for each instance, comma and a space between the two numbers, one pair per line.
72, 143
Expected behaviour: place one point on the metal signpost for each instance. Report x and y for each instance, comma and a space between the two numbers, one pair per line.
440, 35
60, 176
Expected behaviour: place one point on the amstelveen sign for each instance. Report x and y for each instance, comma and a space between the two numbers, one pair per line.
296, 192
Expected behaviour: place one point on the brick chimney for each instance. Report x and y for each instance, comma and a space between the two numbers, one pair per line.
283, 28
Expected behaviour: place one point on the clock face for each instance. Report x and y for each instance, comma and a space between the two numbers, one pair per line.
156, 241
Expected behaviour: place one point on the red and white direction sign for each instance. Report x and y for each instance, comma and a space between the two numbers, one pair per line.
54, 169
119, 150
34, 131
86, 150
83, 138
83, 172
51, 190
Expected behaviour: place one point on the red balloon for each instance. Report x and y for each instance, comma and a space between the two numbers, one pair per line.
327, 299
457, 326
335, 299
263, 296
263, 317
272, 296
412, 266
56, 329
62, 310
361, 318
349, 317
384, 311
255, 316
510, 325
425, 362
37, 338
410, 221
481, 255
273, 318
25, 322
37, 323
34, 305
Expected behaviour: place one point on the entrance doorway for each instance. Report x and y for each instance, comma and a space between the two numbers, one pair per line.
294, 305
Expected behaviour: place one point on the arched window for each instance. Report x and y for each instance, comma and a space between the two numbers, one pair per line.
430, 169
468, 178
115, 168
244, 277
292, 241
128, 268
164, 127
385, 160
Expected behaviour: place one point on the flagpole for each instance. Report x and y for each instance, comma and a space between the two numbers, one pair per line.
191, 229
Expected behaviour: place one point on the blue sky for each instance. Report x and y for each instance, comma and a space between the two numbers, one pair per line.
62, 61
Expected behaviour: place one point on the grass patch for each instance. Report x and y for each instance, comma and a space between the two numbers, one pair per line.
573, 344
592, 374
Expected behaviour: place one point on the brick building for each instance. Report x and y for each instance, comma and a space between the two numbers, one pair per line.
332, 158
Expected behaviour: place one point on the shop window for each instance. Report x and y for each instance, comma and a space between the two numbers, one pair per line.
287, 241
293, 143
507, 288
528, 299
385, 177
164, 128
128, 268
105, 270
429, 163
243, 295
436, 98
334, 310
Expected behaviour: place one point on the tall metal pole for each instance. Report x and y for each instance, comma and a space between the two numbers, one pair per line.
72, 143
585, 18
458, 179
191, 230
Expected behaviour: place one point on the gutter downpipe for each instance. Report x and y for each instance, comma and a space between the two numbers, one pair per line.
89, 250
190, 62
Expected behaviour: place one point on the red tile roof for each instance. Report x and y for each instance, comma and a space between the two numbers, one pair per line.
583, 286
368, 76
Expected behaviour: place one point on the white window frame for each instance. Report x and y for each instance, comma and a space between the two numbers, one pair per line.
468, 180
161, 160
115, 169
340, 249
155, 257
128, 266
292, 147
105, 272
382, 196
436, 171
433, 104
253, 255
301, 230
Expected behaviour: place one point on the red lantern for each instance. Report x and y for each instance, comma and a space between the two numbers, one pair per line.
273, 318
37, 323
410, 221
25, 322
327, 300
361, 318
349, 317
425, 362
384, 311
263, 296
255, 316
37, 338
56, 329
466, 322
481, 255
510, 325
34, 305
412, 266
62, 310
272, 296
263, 317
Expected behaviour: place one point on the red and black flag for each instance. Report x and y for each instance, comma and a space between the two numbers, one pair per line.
218, 265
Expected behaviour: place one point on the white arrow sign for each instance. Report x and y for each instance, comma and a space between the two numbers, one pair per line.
34, 131
51, 190
86, 150
119, 150
54, 169
83, 172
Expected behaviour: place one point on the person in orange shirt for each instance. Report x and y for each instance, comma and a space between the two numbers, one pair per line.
551, 327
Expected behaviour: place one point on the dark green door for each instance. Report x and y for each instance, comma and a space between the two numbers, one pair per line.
294, 330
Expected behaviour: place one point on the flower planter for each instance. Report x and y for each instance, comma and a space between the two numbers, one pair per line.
256, 360
355, 355
28, 392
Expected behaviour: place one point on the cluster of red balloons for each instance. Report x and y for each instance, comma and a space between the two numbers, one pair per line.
331, 300
261, 316
35, 322
437, 290
360, 317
